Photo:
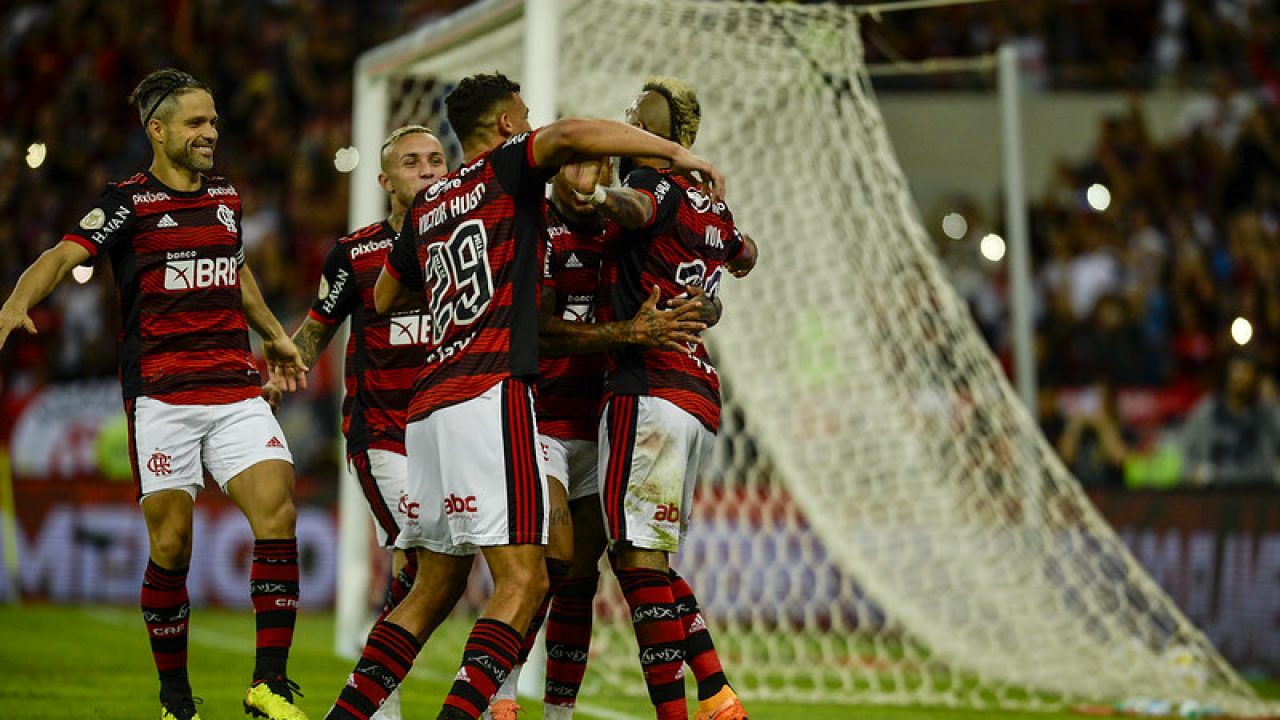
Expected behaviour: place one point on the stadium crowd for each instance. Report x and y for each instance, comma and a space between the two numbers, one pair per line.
1142, 296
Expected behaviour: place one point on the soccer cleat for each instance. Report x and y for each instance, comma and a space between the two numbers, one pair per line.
724, 706
182, 707
503, 710
273, 699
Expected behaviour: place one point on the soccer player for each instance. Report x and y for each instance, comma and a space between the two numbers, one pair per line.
384, 352
662, 407
570, 382
191, 386
470, 245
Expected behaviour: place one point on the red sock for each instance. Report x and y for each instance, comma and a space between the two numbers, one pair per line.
490, 653
660, 636
700, 651
569, 639
273, 584
557, 571
167, 614
387, 657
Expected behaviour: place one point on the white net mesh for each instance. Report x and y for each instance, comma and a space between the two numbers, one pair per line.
884, 522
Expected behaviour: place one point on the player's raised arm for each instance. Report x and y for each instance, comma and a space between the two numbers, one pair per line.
565, 140
288, 371
36, 283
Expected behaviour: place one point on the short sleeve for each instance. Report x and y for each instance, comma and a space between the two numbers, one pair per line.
735, 246
660, 189
513, 165
108, 223
338, 295
402, 260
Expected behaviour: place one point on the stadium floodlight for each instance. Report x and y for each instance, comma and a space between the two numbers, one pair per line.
884, 522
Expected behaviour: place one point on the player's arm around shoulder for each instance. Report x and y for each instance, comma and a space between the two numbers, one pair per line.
51, 268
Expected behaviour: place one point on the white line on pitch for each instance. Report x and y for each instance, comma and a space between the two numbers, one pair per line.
605, 713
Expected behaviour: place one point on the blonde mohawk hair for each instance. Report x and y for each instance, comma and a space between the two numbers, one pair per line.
686, 112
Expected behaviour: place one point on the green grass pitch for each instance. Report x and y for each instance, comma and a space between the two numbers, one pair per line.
92, 662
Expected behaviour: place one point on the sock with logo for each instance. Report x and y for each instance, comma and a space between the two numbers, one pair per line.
557, 571
273, 586
167, 614
569, 641
387, 657
700, 651
660, 635
490, 652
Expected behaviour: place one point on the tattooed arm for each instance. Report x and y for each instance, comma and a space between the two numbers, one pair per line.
671, 330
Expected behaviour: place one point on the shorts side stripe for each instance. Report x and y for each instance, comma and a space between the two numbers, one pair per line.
622, 420
131, 413
373, 495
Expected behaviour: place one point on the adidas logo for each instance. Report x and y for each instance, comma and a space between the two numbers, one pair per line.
573, 261
167, 221
274, 442
462, 676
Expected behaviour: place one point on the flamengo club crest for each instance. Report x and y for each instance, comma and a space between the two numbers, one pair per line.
227, 217
159, 464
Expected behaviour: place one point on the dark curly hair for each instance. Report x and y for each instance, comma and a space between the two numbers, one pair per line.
156, 95
474, 99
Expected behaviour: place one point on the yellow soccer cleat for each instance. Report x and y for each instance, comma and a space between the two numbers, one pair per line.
273, 699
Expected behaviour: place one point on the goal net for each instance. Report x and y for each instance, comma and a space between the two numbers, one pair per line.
884, 522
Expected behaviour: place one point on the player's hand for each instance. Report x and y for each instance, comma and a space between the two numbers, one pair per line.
671, 330
710, 179
11, 319
288, 372
707, 312
273, 395
746, 262
583, 176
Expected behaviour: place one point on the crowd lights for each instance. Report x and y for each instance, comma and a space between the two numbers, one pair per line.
346, 159
1098, 197
36, 153
1241, 331
82, 273
955, 226
992, 247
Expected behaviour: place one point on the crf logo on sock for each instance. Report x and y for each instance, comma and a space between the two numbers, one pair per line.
160, 464
286, 603
667, 513
410, 509
200, 273
454, 504
169, 630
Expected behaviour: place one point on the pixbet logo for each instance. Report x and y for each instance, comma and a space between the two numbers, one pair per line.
454, 504
368, 247
150, 197
201, 273
667, 513
159, 464
216, 191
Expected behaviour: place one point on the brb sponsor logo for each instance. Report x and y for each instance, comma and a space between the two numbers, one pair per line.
669, 512
454, 504
199, 273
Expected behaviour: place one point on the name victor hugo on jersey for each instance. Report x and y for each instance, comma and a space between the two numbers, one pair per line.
457, 206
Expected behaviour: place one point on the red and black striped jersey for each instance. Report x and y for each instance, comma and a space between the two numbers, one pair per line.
570, 387
472, 243
176, 256
689, 239
384, 352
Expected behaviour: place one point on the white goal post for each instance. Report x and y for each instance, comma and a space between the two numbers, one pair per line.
884, 522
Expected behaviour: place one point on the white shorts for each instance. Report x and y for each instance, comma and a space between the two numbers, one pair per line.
574, 463
475, 475
173, 444
650, 453
384, 480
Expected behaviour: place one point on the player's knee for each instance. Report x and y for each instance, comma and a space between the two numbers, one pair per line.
528, 582
171, 547
277, 521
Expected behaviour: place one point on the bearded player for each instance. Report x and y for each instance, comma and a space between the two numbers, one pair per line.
190, 383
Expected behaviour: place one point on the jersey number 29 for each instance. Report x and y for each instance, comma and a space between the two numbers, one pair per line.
457, 272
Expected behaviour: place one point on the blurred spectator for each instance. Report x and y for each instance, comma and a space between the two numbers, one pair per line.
1093, 442
1232, 437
